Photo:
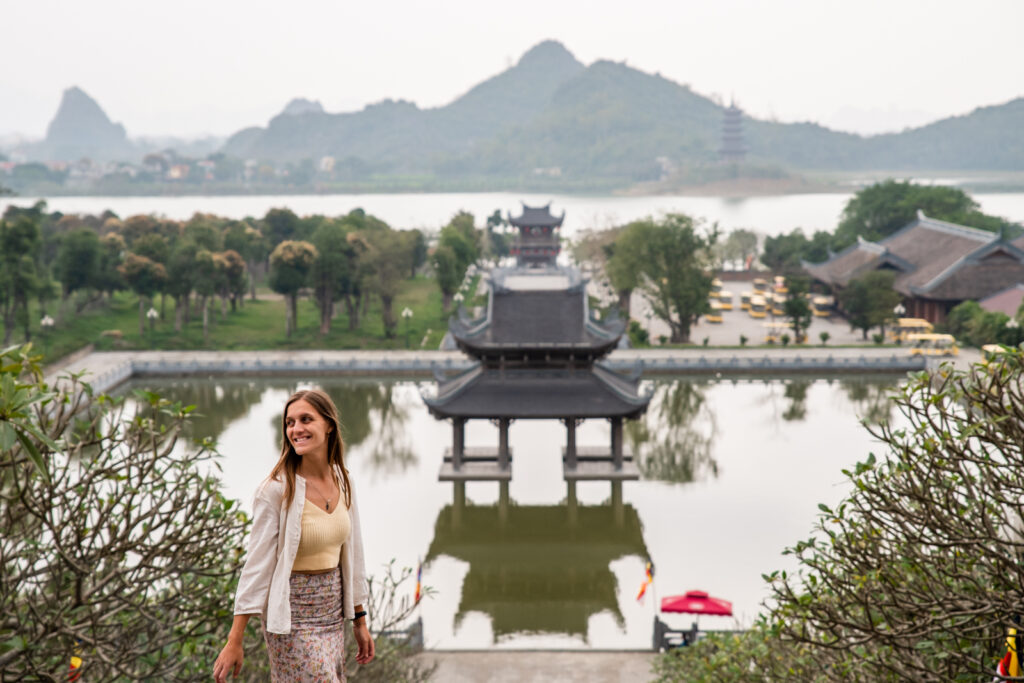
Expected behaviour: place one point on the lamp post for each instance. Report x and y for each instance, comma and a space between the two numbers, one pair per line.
407, 317
46, 324
459, 298
152, 314
1014, 328
899, 310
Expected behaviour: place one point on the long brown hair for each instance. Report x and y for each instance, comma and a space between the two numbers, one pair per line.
289, 460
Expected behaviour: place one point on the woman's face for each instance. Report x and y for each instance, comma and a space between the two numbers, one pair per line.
305, 428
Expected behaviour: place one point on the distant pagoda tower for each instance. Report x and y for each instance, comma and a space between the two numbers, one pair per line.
537, 243
733, 149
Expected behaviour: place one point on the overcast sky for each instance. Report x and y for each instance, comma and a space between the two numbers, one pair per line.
189, 68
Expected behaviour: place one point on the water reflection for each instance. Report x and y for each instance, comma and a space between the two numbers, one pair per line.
538, 568
871, 397
796, 393
367, 409
673, 441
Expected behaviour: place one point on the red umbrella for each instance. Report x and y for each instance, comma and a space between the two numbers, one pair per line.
697, 602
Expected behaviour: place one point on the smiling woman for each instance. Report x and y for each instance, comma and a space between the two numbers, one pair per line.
304, 572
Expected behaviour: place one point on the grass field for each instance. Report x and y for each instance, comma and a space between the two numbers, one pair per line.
258, 324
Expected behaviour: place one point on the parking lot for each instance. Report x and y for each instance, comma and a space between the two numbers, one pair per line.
738, 322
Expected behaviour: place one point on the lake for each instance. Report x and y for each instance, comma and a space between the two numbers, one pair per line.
732, 474
769, 215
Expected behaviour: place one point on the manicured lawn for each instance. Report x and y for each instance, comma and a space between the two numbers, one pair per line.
257, 324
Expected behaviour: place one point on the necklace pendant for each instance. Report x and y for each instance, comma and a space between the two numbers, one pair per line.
328, 507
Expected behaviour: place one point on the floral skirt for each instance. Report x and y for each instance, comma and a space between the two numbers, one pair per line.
314, 651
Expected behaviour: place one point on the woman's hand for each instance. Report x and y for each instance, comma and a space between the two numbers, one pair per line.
229, 658
364, 640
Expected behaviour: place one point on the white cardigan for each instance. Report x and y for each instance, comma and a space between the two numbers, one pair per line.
263, 586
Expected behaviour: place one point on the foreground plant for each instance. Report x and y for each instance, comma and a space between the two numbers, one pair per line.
917, 574
114, 542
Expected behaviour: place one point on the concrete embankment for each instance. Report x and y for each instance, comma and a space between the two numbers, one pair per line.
106, 369
517, 666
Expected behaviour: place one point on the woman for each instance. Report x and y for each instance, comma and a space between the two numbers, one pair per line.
304, 572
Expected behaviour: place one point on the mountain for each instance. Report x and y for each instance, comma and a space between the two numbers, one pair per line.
403, 137
82, 129
300, 105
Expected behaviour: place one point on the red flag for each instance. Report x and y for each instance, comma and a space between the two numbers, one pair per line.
419, 579
649, 578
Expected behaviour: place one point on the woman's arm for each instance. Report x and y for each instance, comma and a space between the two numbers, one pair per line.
230, 658
361, 631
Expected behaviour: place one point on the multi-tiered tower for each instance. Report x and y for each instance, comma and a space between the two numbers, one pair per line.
733, 149
537, 243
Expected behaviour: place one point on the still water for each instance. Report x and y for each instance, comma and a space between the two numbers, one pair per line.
767, 215
732, 474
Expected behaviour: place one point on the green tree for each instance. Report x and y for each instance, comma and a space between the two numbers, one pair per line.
146, 278
624, 268
231, 279
868, 301
739, 246
878, 211
463, 238
279, 225
249, 242
206, 279
77, 261
676, 257
108, 278
797, 308
783, 253
332, 271
446, 271
290, 266
19, 272
181, 277
388, 261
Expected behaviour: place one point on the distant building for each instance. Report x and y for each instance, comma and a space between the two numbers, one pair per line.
936, 265
1007, 301
733, 149
537, 244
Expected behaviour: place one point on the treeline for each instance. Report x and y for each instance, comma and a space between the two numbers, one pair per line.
82, 260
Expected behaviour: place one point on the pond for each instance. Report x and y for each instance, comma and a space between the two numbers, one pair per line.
732, 474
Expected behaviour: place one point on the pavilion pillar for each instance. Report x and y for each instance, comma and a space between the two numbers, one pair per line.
458, 502
503, 456
503, 502
570, 444
617, 442
617, 508
570, 497
458, 441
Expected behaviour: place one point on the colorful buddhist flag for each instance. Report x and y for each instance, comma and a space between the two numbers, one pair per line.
419, 581
74, 671
648, 579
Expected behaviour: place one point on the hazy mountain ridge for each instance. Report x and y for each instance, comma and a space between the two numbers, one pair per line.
551, 116
551, 113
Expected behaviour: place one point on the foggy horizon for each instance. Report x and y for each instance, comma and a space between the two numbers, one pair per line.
193, 72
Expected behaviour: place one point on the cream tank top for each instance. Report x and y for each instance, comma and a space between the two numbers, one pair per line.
323, 534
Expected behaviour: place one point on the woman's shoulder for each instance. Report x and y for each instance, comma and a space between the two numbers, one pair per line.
271, 489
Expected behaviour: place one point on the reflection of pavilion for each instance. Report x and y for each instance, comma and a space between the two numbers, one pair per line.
538, 568
539, 348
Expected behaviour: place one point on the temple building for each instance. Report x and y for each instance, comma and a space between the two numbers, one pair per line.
538, 348
733, 149
537, 243
936, 264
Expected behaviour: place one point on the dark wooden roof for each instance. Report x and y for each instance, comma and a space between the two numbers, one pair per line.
538, 321
536, 216
538, 567
931, 259
591, 392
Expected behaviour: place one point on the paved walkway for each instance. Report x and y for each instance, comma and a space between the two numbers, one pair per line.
516, 666
106, 369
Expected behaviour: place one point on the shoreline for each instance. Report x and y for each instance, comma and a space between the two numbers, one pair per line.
105, 370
